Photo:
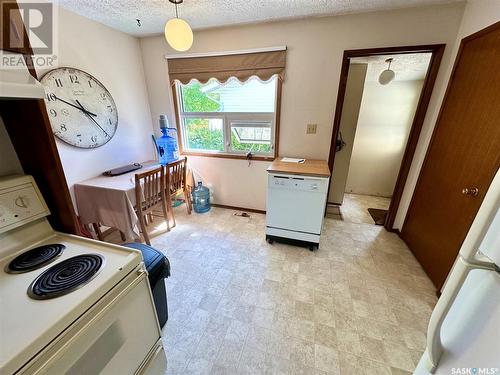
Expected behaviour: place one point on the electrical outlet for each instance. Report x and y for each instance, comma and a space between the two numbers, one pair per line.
311, 128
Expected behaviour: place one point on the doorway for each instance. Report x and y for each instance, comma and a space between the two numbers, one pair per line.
382, 99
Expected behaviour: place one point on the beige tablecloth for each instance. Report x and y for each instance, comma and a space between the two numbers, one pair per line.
110, 201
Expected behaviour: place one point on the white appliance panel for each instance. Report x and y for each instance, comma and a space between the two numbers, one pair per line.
106, 326
20, 202
294, 235
25, 335
490, 246
471, 329
115, 341
157, 363
296, 203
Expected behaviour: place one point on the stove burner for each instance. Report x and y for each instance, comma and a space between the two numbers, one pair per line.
35, 258
66, 276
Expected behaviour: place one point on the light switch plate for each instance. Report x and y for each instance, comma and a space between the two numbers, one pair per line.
311, 128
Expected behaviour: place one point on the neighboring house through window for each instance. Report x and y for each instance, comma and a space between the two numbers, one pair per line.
230, 118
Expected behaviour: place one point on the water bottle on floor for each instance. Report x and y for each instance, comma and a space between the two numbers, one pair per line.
201, 198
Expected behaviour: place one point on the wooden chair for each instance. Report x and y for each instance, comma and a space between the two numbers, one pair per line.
176, 182
102, 235
149, 197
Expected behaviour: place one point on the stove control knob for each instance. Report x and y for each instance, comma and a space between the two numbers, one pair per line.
21, 201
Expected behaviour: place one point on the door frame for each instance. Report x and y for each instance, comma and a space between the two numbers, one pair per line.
463, 42
437, 51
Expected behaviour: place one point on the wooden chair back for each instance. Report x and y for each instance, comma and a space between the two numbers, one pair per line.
176, 176
149, 190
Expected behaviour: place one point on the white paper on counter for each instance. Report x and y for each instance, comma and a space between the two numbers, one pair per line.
293, 160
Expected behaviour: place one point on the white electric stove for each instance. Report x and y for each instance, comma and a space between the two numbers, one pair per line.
69, 304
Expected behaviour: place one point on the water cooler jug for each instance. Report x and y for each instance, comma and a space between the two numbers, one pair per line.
167, 144
201, 198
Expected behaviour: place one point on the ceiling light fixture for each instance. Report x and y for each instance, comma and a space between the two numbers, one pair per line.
178, 32
387, 76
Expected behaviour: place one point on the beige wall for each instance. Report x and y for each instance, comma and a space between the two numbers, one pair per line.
349, 119
477, 15
114, 58
384, 123
315, 48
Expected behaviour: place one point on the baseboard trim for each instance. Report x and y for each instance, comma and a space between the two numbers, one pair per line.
239, 208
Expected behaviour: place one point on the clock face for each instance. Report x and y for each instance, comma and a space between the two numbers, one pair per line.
81, 110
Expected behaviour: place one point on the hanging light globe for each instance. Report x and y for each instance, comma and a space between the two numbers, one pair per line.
178, 32
388, 75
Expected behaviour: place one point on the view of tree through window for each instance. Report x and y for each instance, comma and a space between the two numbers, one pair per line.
194, 100
204, 134
234, 116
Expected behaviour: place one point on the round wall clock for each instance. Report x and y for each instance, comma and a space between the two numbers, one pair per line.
81, 110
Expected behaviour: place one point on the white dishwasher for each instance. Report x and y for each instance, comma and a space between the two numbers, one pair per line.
295, 208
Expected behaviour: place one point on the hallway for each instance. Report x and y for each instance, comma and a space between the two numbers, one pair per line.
355, 207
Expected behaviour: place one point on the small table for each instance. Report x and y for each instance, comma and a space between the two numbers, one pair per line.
110, 201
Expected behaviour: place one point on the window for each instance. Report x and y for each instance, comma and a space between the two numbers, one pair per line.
231, 118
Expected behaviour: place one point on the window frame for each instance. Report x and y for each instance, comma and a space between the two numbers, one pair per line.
244, 123
228, 119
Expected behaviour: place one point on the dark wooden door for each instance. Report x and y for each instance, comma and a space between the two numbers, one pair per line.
464, 154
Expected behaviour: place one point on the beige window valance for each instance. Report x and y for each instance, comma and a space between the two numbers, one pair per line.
240, 65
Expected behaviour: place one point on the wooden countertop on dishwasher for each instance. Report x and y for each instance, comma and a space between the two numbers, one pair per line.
317, 168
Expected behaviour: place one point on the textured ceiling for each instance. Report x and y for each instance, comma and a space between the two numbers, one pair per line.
122, 14
408, 67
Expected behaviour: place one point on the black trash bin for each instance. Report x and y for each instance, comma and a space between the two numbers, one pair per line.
158, 268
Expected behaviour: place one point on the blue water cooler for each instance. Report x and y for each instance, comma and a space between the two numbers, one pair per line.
168, 151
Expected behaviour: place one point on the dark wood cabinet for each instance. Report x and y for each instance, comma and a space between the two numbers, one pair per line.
13, 37
29, 129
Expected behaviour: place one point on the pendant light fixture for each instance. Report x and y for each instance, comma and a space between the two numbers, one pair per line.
178, 32
387, 75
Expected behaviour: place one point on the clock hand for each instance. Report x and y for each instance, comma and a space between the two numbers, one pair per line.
81, 109
88, 115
